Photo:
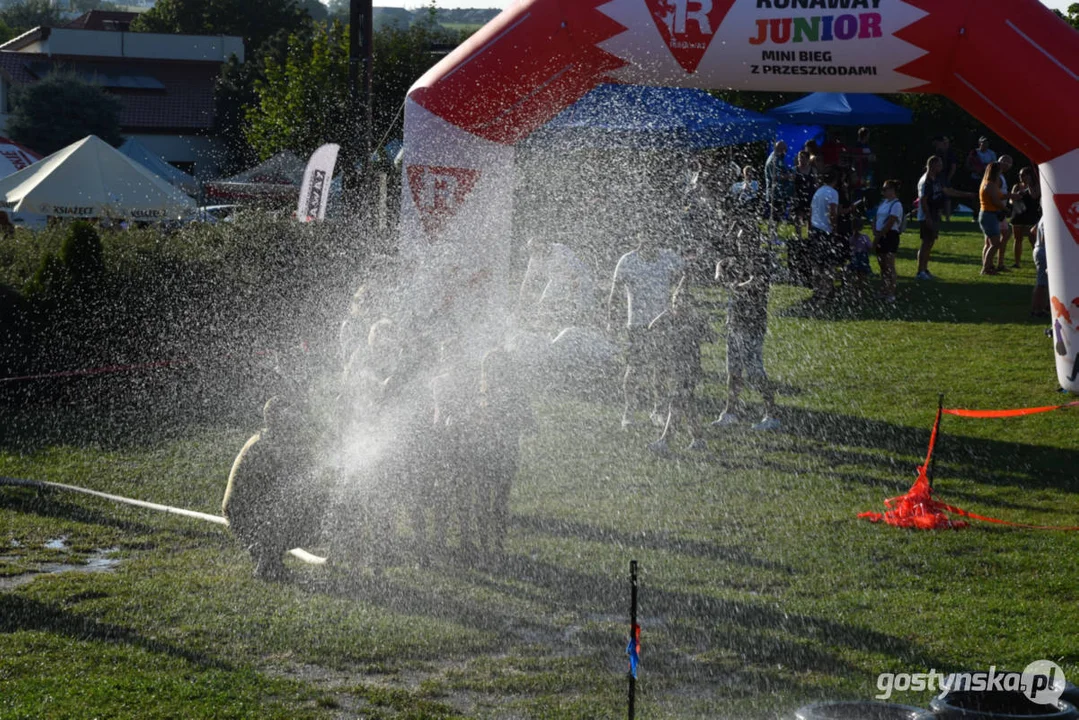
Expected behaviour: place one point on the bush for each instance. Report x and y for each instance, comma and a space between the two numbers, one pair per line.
82, 254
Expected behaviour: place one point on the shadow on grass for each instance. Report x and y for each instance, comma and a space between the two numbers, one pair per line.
989, 462
645, 541
18, 614
937, 301
694, 635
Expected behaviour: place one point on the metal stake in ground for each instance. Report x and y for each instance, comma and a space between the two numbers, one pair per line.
634, 646
931, 471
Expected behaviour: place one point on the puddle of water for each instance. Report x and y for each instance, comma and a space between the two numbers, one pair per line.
98, 562
59, 543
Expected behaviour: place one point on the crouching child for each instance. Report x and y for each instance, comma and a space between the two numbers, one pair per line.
272, 501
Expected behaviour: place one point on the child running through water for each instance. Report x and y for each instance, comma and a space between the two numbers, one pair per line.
747, 275
683, 328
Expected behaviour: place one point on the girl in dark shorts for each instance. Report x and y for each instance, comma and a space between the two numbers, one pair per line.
886, 237
1030, 210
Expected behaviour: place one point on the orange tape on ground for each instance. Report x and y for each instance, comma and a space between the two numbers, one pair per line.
1007, 413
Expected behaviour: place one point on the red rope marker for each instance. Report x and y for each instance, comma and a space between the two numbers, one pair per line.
918, 508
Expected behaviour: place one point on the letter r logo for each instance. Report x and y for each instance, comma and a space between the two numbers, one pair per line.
695, 10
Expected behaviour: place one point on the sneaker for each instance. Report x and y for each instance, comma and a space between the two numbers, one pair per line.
697, 445
923, 275
767, 423
1002, 268
726, 419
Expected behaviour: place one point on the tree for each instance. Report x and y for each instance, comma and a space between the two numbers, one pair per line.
303, 98
60, 109
256, 21
1071, 16
29, 14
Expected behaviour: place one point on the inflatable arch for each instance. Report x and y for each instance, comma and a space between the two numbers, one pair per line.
1011, 63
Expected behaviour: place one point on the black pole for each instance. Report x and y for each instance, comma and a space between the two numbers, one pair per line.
933, 460
632, 633
360, 50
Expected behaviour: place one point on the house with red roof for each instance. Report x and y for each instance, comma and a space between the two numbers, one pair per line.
164, 82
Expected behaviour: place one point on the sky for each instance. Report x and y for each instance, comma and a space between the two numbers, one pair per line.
501, 4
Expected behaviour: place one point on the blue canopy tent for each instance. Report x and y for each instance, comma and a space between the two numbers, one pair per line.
652, 118
841, 109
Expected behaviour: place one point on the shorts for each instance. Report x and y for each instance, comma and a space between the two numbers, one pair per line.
888, 243
825, 249
745, 352
641, 352
930, 233
859, 262
1042, 277
989, 222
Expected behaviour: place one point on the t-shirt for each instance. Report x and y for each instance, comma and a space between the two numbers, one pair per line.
825, 196
887, 209
979, 159
567, 283
745, 192
774, 170
931, 194
648, 284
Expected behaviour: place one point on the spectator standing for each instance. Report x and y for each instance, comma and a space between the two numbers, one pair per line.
862, 159
942, 148
932, 196
992, 201
860, 245
1039, 301
833, 151
824, 214
1005, 226
978, 159
886, 237
646, 276
746, 192
805, 184
777, 182
1028, 210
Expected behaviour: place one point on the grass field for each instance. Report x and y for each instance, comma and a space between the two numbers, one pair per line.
760, 589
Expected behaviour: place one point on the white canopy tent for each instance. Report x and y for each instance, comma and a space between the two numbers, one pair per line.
91, 179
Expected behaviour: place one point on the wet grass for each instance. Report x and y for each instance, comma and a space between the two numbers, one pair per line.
760, 589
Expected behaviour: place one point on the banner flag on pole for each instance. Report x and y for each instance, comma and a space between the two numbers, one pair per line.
315, 189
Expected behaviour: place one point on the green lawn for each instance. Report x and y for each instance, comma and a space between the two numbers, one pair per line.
760, 589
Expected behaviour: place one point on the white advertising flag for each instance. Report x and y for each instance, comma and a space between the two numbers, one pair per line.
315, 189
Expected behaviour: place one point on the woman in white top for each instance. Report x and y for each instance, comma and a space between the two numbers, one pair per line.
886, 237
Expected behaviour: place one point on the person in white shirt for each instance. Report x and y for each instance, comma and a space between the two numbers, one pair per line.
823, 246
933, 194
747, 191
558, 289
886, 237
645, 277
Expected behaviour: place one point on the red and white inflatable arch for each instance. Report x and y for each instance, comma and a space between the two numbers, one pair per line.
1011, 63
